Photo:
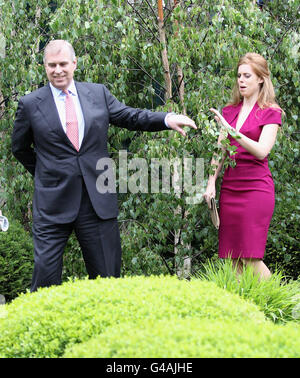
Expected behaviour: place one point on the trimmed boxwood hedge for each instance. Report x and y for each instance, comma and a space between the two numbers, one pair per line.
191, 338
186, 317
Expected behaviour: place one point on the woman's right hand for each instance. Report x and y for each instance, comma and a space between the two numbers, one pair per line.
210, 192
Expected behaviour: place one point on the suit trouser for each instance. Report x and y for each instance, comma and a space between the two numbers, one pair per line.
99, 241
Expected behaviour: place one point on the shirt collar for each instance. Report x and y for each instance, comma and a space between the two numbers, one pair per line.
57, 92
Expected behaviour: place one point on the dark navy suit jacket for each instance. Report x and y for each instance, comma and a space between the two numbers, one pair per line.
41, 145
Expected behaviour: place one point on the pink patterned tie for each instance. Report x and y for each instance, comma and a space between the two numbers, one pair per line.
71, 121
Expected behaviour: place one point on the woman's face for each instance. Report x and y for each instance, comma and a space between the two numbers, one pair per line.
248, 81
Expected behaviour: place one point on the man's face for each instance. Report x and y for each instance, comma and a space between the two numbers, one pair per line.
60, 67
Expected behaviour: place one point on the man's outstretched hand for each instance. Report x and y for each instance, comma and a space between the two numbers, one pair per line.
178, 121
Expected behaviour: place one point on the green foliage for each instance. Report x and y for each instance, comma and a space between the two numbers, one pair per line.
283, 244
73, 263
276, 297
16, 261
118, 45
191, 338
140, 317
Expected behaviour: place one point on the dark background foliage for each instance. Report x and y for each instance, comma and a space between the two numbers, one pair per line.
117, 44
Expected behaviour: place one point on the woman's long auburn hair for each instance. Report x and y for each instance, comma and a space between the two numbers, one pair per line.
259, 65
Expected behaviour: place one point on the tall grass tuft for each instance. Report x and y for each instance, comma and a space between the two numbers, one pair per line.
277, 297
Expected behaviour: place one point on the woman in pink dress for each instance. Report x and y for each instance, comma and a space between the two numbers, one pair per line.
247, 191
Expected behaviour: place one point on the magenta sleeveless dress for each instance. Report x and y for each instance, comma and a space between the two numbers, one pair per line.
247, 192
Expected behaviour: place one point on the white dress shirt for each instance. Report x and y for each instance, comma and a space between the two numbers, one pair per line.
59, 98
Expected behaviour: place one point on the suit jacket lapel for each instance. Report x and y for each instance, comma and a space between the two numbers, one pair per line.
87, 102
47, 107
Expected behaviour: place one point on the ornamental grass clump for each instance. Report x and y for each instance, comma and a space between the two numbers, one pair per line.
277, 297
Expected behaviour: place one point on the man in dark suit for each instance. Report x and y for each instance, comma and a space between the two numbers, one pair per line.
60, 132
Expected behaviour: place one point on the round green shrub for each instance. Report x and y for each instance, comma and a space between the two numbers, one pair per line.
45, 323
192, 338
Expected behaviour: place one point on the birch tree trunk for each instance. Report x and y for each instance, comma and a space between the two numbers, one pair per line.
180, 72
181, 271
164, 53
2, 107
185, 270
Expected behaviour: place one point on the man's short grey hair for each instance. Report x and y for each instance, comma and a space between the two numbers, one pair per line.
57, 45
